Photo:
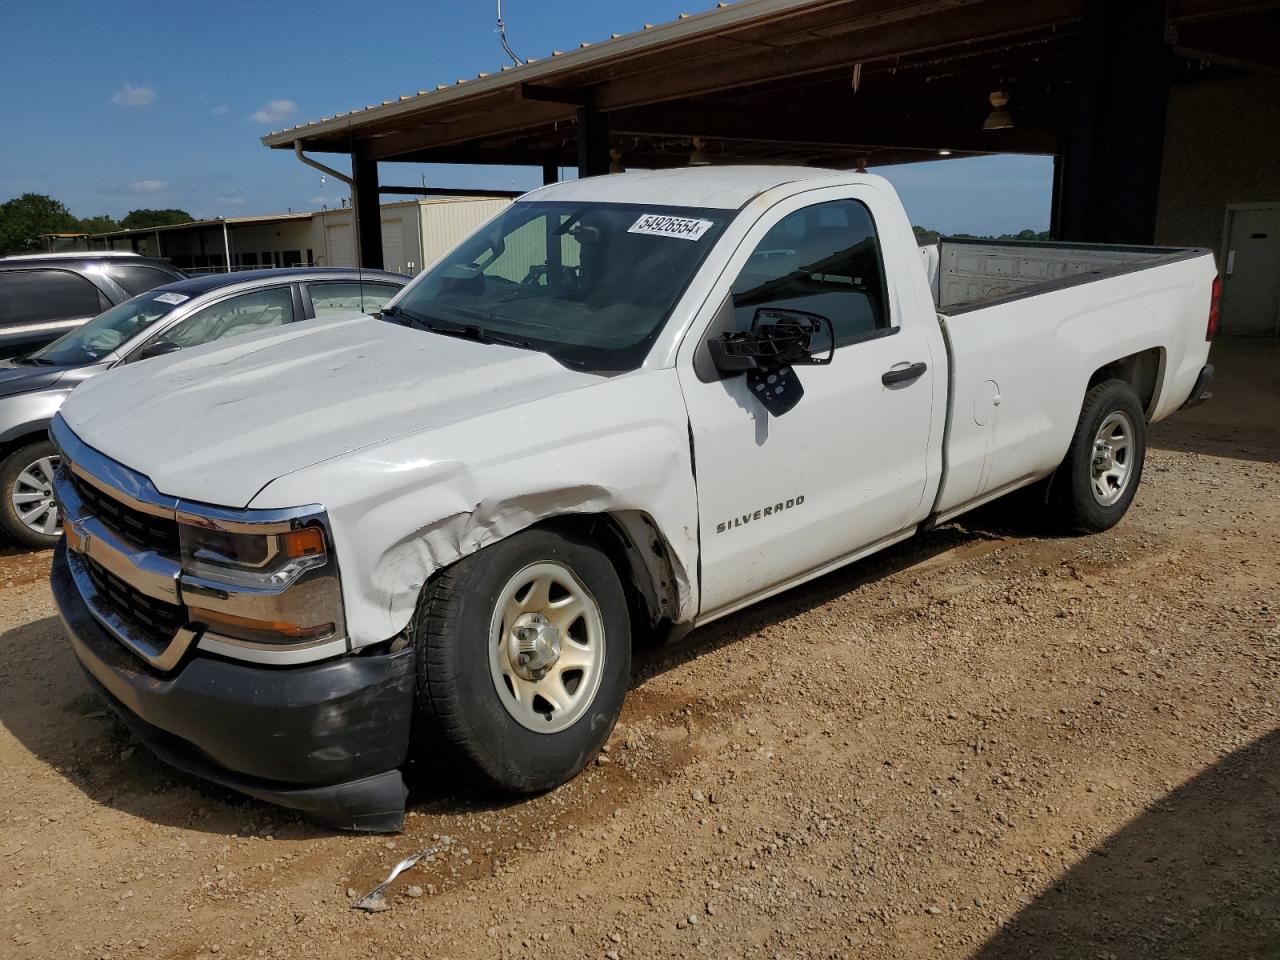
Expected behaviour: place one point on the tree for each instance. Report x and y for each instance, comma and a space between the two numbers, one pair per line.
154, 218
24, 219
102, 223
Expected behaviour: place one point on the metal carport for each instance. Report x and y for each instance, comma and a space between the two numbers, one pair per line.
841, 83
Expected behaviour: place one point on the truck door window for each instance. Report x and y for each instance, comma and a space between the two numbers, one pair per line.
824, 259
235, 315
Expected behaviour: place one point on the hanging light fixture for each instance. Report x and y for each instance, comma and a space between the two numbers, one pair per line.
998, 118
698, 155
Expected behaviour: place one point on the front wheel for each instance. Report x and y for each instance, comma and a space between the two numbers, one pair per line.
29, 513
524, 652
1100, 475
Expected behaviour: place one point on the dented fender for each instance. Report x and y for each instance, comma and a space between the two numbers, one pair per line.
405, 508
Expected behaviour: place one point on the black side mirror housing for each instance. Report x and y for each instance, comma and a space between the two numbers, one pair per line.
158, 348
777, 339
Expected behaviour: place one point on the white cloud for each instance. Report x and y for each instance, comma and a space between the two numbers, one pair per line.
131, 96
276, 111
147, 186
234, 200
220, 110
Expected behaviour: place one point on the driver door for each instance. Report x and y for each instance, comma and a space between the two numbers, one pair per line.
780, 498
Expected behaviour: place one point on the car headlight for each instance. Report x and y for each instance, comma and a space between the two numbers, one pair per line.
263, 559
260, 583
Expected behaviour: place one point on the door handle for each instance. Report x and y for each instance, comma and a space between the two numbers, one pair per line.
903, 374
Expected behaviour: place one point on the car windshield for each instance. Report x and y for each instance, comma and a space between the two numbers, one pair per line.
107, 331
591, 284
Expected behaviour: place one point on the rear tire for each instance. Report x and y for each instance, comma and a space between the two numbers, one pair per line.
28, 513
523, 726
1099, 478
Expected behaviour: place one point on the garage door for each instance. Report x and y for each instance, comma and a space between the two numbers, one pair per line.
340, 244
393, 246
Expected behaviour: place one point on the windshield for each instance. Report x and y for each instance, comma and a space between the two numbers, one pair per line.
589, 283
107, 331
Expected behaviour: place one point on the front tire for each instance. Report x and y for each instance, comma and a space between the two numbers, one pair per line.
28, 513
1100, 475
524, 654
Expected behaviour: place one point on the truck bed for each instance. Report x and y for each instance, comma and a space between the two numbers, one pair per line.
966, 274
1019, 367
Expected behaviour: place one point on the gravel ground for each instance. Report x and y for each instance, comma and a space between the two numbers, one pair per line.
987, 742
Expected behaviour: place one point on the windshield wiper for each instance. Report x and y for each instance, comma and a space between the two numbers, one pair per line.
480, 335
31, 360
464, 331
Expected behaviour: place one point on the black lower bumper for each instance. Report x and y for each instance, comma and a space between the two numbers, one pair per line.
326, 739
1200, 392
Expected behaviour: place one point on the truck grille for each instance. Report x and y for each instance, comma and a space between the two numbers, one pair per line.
144, 529
158, 620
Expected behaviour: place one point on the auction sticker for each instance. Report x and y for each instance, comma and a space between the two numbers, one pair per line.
171, 298
660, 225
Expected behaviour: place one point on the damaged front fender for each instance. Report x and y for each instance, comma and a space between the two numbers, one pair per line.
403, 509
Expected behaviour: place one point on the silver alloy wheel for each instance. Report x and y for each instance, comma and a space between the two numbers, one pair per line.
1113, 452
32, 497
546, 647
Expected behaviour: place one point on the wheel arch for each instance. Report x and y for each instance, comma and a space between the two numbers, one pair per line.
643, 559
22, 435
660, 590
1143, 371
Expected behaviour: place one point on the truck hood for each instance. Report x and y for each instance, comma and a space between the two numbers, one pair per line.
26, 378
218, 423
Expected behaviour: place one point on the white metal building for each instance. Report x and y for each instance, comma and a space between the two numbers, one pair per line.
414, 234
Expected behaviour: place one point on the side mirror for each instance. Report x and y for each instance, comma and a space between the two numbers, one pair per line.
158, 348
778, 340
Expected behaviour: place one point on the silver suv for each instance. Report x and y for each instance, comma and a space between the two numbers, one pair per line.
42, 296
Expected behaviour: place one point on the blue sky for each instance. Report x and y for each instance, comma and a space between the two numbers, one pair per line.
112, 106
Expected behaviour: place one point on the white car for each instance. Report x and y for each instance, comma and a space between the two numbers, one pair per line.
627, 403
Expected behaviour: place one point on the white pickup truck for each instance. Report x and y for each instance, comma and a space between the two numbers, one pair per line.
626, 406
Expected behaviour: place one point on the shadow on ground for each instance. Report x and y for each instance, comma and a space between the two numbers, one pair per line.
1242, 419
1193, 877
48, 707
984, 530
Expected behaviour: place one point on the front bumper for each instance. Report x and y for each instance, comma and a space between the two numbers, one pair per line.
325, 739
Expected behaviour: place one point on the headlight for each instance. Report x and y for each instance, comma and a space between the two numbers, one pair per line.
251, 558
260, 582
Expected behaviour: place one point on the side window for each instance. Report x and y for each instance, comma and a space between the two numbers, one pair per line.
138, 279
345, 296
44, 296
824, 259
231, 317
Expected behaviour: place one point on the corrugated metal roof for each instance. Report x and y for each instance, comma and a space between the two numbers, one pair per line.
684, 27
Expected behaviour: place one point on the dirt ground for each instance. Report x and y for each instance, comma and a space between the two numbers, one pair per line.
988, 742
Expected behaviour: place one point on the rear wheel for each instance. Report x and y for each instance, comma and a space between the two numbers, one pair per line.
524, 652
29, 514
1100, 476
